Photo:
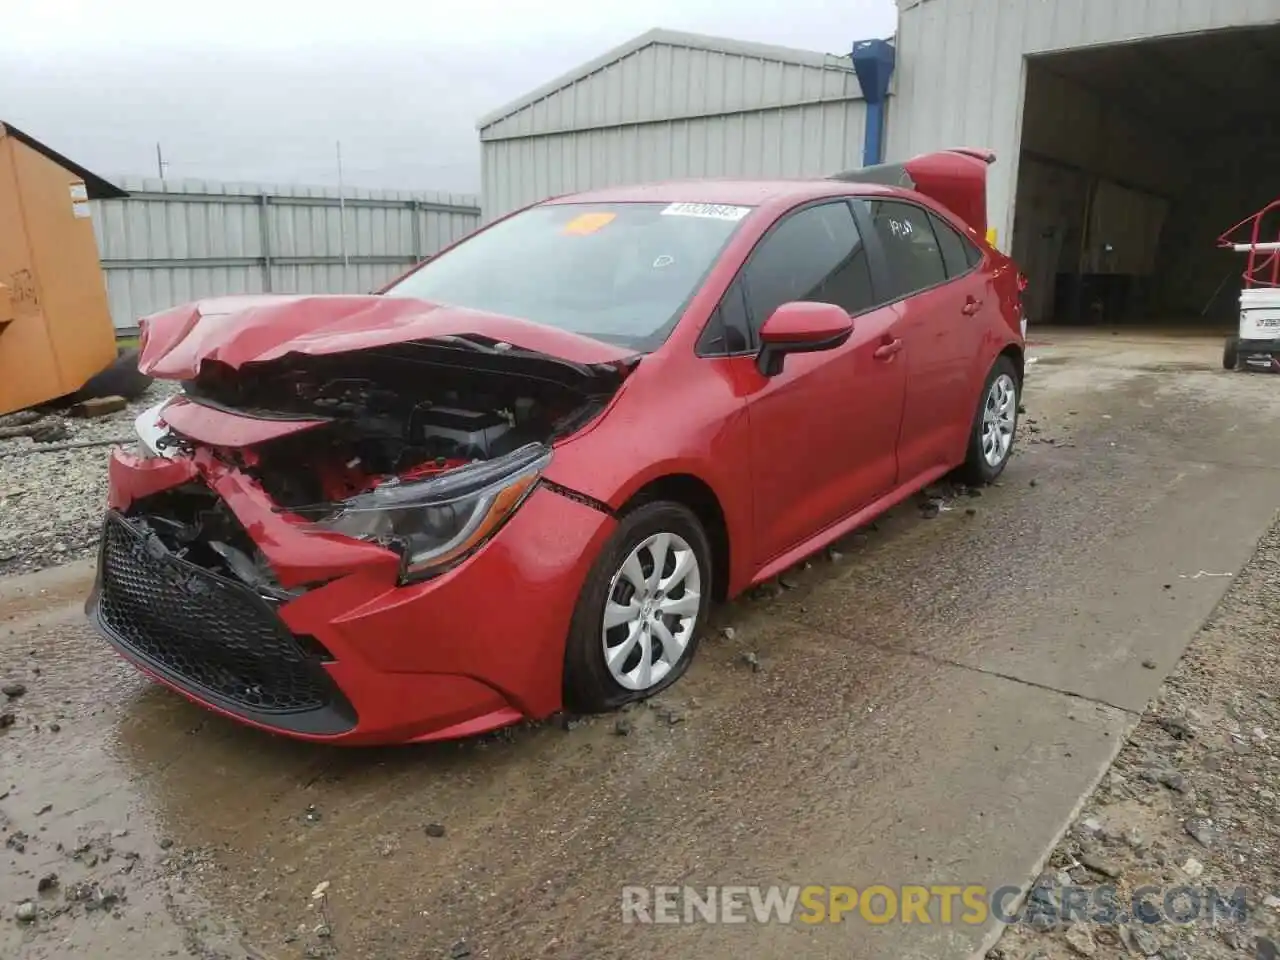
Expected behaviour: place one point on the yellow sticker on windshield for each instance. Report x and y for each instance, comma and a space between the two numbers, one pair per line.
586, 223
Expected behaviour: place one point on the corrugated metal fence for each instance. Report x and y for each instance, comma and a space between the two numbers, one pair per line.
172, 242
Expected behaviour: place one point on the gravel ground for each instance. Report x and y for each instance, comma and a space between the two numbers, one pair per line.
1193, 800
51, 497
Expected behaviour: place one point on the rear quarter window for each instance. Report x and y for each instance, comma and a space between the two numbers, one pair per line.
959, 256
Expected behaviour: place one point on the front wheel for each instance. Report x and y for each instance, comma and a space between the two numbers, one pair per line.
1231, 353
994, 425
636, 626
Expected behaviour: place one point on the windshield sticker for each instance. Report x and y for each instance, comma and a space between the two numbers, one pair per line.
587, 223
712, 211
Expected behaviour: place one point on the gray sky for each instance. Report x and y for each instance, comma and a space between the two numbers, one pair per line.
261, 90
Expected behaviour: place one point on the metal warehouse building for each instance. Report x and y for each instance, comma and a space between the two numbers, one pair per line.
1128, 133
670, 105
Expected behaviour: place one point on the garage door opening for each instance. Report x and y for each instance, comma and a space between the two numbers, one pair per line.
1134, 158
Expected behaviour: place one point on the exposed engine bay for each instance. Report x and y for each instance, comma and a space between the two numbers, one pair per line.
403, 412
424, 448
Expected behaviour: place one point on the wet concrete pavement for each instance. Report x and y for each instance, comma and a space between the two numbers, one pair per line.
929, 708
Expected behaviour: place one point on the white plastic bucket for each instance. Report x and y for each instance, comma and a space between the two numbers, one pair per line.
1260, 313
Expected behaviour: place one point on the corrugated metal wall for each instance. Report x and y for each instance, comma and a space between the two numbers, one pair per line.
960, 75
669, 110
1084, 129
173, 242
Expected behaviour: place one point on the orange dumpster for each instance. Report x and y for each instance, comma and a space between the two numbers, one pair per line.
55, 326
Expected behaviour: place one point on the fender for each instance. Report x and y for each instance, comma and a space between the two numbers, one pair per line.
612, 465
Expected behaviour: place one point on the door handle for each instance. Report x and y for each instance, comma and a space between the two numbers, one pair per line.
887, 350
971, 306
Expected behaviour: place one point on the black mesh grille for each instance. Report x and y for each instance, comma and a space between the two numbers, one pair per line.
210, 634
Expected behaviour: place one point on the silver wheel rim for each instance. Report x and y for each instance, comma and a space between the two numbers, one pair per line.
650, 611
999, 413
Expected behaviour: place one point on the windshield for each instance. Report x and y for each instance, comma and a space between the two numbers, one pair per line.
618, 272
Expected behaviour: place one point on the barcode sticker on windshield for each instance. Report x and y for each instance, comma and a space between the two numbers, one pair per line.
712, 211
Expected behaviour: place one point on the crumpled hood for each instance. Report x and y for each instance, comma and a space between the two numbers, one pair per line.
248, 329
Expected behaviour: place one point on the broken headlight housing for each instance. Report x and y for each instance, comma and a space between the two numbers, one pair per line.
436, 523
151, 431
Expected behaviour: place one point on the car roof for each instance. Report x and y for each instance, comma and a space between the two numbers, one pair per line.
713, 190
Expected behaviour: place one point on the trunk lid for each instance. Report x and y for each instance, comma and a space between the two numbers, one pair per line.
957, 179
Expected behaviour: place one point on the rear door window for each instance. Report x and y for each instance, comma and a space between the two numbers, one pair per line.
910, 245
958, 254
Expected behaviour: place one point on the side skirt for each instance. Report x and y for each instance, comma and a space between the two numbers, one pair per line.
852, 522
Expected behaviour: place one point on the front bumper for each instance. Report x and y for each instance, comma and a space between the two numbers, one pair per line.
355, 658
214, 637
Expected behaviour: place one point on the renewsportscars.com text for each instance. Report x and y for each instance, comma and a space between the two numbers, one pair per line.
970, 904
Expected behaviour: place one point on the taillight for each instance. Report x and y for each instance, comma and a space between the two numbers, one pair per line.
1022, 313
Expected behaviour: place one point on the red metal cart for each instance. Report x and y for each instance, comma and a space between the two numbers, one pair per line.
1257, 344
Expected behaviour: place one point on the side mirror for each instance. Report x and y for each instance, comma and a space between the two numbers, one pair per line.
801, 327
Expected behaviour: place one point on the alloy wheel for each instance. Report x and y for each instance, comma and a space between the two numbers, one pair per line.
651, 610
999, 414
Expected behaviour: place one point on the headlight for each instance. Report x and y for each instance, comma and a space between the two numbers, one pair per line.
436, 523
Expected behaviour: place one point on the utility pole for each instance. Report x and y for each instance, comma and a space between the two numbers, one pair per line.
342, 217
160, 161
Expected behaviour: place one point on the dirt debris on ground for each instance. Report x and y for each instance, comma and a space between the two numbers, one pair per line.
110, 884
53, 480
1192, 801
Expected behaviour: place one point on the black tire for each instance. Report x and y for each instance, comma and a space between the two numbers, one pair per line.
589, 687
1231, 353
120, 379
976, 470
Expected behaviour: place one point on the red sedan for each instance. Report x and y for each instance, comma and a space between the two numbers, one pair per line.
513, 481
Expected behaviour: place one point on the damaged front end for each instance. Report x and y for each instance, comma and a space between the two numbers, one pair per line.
424, 448
162, 603
276, 494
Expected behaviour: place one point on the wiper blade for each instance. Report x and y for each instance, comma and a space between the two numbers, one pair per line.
458, 340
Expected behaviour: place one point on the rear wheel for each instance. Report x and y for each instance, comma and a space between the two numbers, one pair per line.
1231, 353
635, 629
994, 425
